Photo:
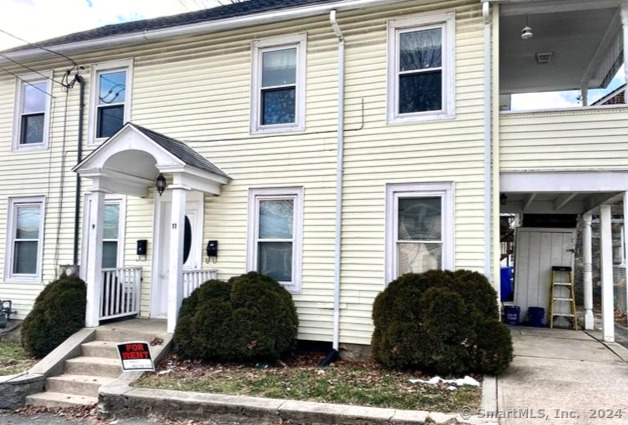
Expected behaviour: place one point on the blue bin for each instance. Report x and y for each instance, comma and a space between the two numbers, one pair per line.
536, 315
506, 283
512, 314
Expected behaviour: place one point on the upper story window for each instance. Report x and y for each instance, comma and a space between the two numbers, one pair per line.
421, 68
278, 98
110, 99
275, 220
25, 239
32, 115
420, 223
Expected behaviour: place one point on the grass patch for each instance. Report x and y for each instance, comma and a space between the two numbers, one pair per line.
13, 358
364, 384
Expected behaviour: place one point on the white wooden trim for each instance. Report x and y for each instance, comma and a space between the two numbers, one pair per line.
295, 193
11, 222
572, 181
443, 189
446, 21
298, 41
22, 81
96, 69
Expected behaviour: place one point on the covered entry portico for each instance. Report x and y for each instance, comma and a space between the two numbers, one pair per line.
129, 163
585, 194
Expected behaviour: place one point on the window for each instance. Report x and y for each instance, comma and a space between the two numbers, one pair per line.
421, 68
25, 239
32, 108
278, 98
275, 218
111, 235
110, 99
419, 232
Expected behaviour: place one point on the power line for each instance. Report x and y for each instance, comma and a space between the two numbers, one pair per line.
40, 47
27, 82
32, 70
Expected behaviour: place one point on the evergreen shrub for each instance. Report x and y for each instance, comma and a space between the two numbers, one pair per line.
58, 312
248, 318
440, 322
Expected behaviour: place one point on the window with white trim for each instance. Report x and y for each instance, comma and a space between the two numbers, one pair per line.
112, 239
25, 239
274, 239
32, 111
278, 97
110, 99
421, 68
420, 223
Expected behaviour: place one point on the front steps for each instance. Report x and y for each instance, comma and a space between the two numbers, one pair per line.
97, 365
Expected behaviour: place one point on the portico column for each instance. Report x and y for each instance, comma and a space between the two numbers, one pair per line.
588, 272
606, 237
93, 274
175, 278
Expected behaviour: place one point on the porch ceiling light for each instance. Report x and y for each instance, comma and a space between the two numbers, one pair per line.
160, 184
526, 32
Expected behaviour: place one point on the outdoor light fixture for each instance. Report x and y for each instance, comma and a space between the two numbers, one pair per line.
160, 184
503, 199
526, 32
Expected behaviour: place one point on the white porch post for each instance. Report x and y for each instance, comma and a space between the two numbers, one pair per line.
93, 258
606, 237
175, 278
588, 272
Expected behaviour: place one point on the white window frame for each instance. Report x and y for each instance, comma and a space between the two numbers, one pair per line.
298, 41
418, 190
255, 196
14, 203
446, 21
96, 71
22, 81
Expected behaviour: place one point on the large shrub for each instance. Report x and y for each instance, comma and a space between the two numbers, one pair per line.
58, 312
251, 317
442, 322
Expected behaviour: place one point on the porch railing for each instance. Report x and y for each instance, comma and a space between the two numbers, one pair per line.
120, 292
192, 279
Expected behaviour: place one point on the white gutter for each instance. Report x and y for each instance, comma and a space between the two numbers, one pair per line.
339, 177
488, 216
199, 28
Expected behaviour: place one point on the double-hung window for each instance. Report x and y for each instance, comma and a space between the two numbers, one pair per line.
419, 228
25, 239
275, 217
421, 68
32, 108
110, 99
278, 98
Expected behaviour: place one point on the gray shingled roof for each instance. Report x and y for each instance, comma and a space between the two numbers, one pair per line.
246, 8
181, 151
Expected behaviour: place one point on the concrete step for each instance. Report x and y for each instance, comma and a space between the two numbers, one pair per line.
82, 385
124, 335
93, 366
105, 349
50, 399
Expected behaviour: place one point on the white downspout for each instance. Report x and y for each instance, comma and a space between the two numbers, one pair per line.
339, 177
486, 14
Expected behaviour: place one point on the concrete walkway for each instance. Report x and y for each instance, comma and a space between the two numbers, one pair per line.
563, 377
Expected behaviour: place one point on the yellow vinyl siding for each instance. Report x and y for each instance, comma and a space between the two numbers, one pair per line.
586, 139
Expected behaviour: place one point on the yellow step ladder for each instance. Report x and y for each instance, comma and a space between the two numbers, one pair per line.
562, 292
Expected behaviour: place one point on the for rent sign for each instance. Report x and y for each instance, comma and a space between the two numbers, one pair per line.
135, 355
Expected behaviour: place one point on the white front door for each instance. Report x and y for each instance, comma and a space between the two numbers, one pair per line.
192, 244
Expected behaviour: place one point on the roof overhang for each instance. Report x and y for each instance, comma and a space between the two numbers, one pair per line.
193, 29
129, 162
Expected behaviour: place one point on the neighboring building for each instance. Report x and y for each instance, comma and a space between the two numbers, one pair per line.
331, 144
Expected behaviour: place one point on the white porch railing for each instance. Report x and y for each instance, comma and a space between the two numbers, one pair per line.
192, 279
120, 292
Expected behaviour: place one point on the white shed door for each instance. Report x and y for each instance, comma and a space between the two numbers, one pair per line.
536, 252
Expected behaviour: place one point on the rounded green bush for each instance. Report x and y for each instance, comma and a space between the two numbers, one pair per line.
440, 322
58, 312
249, 318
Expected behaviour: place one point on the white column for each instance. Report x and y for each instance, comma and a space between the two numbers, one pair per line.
624, 27
606, 243
588, 272
175, 278
93, 260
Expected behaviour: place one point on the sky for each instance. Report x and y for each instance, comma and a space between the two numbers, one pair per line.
36, 20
